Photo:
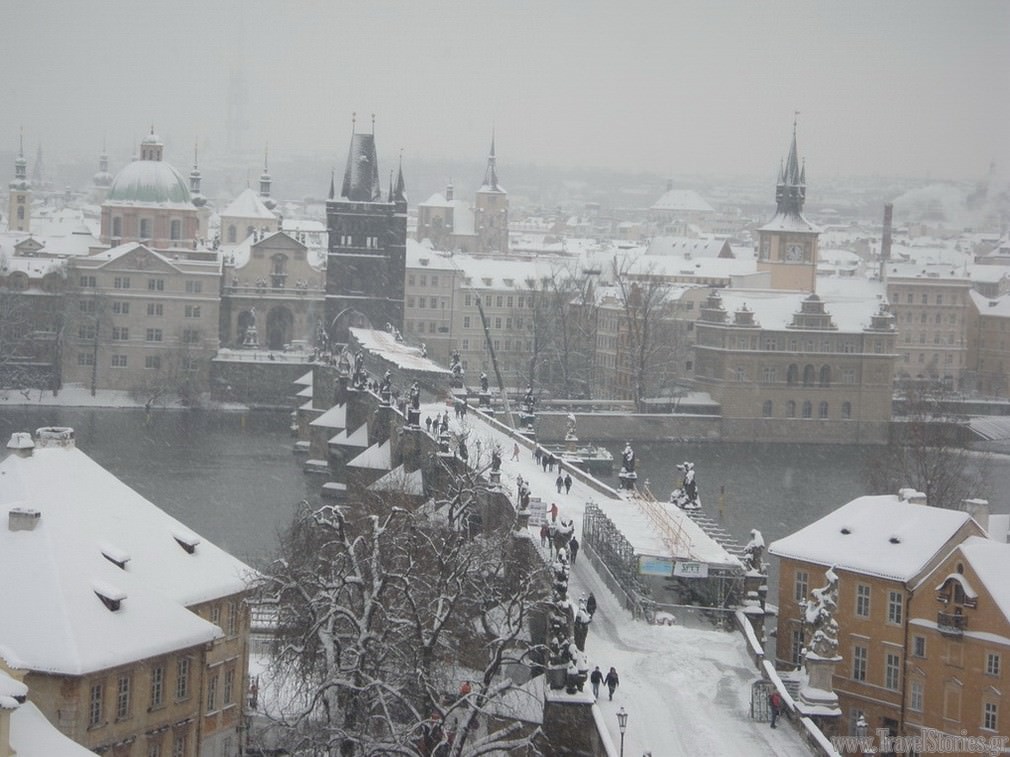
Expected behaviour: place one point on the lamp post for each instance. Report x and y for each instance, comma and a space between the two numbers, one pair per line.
622, 724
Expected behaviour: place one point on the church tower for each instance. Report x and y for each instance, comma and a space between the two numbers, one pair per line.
366, 260
492, 210
19, 208
787, 244
265, 181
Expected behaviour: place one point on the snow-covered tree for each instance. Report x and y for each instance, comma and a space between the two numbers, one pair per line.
819, 617
381, 620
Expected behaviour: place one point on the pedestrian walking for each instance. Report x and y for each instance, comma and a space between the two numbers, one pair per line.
537, 454
596, 678
515, 451
573, 551
612, 682
427, 423
554, 510
775, 705
568, 482
544, 533
560, 483
591, 604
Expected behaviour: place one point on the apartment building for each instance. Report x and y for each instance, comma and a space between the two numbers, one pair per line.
988, 333
881, 548
130, 630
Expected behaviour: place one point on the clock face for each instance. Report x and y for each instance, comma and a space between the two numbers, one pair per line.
794, 252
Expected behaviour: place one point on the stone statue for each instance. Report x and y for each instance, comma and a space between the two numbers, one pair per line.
415, 396
529, 400
496, 458
570, 430
359, 368
483, 382
754, 553
344, 364
628, 458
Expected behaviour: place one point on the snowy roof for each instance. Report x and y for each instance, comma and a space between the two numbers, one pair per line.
305, 392
304, 380
383, 344
248, 205
61, 567
150, 182
682, 200
689, 247
989, 559
877, 535
377, 457
947, 272
399, 480
999, 307
421, 255
790, 222
31, 735
356, 438
335, 417
850, 311
988, 273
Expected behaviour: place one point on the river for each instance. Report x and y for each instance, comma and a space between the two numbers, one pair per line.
233, 478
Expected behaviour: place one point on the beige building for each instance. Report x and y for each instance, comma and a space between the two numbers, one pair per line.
793, 367
932, 310
245, 216
141, 320
130, 630
959, 645
881, 548
271, 283
988, 337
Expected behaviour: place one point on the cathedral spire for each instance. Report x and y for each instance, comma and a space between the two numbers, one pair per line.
265, 180
361, 174
491, 172
194, 178
333, 187
791, 187
400, 195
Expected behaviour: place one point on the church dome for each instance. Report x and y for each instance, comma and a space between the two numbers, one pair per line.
149, 181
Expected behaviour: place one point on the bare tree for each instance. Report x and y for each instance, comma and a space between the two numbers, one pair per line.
931, 451
376, 616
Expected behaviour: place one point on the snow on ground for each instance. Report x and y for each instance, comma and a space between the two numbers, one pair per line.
77, 395
686, 690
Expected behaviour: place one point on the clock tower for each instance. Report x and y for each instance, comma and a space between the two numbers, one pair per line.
787, 244
19, 208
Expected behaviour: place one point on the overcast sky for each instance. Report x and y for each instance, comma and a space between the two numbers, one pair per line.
909, 88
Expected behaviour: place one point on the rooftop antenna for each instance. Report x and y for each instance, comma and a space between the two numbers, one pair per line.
354, 121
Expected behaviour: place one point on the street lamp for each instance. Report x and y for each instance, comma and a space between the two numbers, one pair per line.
622, 723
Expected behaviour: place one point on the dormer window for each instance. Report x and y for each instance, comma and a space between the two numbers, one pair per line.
955, 590
116, 556
111, 596
187, 541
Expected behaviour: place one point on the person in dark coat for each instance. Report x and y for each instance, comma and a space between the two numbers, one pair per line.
568, 482
775, 705
573, 551
560, 483
596, 678
591, 604
612, 682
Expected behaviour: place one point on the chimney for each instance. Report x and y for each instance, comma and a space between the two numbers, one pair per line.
55, 436
22, 519
979, 510
21, 443
885, 241
911, 496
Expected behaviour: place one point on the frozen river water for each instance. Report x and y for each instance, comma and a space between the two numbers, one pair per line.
233, 478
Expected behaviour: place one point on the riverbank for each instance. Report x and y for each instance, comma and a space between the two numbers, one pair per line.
78, 396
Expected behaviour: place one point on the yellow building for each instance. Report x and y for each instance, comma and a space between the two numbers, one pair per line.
881, 548
130, 630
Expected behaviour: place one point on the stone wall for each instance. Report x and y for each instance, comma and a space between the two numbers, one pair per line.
256, 383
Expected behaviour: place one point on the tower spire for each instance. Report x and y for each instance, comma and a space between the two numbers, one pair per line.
400, 194
333, 186
790, 189
491, 173
265, 180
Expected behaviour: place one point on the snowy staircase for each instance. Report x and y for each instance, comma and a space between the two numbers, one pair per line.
716, 532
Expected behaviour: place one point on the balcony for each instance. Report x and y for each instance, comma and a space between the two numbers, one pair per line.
951, 624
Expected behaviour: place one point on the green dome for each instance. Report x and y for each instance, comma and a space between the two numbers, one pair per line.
149, 181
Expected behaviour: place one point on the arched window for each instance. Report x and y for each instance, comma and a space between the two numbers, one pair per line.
278, 270
145, 228
822, 410
846, 410
825, 375
232, 234
249, 231
793, 374
808, 409
808, 375
117, 226
791, 409
766, 409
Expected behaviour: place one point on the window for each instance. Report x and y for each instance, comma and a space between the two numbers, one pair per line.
466, 321
182, 678
194, 287
232, 235
121, 308
232, 619
229, 686
179, 745
990, 717
192, 311
145, 228
153, 335
212, 693
123, 698
121, 282
858, 663
466, 300
825, 375
766, 409
992, 664
895, 605
846, 410
87, 306
925, 299
863, 601
88, 282
797, 646
918, 646
190, 364
117, 226
85, 358
119, 361
769, 374
154, 748
741, 373
822, 410
152, 362
86, 331
156, 285
499, 301
808, 409
190, 336
892, 672
95, 705
801, 585
791, 409
952, 702
915, 695
497, 323
120, 333
157, 685
155, 309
